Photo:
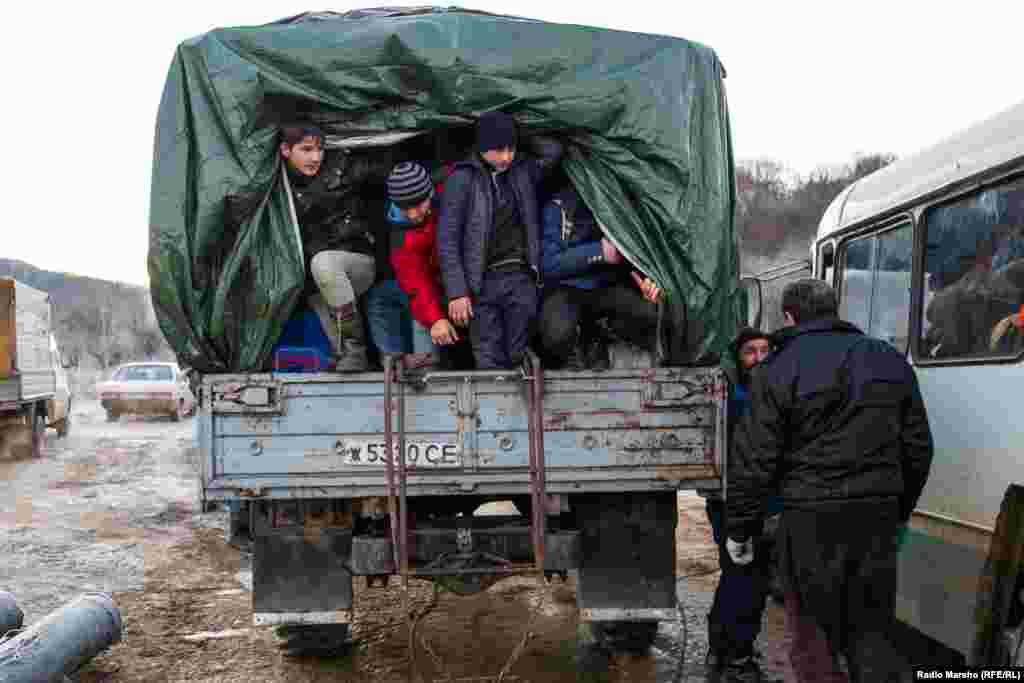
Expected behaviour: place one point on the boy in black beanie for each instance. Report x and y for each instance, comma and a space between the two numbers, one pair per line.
489, 240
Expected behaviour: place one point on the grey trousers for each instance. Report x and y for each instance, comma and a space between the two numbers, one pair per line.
342, 276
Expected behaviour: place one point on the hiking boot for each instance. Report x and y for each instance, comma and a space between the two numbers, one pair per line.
745, 670
351, 340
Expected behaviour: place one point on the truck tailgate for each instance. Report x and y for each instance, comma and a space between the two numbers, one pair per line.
322, 435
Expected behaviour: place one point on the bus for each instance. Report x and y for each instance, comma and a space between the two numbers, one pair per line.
928, 254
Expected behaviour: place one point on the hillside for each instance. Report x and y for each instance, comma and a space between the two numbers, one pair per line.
99, 323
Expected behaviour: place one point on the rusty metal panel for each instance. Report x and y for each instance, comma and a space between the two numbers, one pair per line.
636, 430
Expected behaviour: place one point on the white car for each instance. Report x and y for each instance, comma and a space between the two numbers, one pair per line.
146, 389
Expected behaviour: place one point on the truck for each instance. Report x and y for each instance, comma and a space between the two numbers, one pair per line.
34, 389
361, 477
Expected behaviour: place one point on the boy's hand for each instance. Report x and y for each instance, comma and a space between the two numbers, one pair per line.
650, 289
609, 252
460, 310
443, 333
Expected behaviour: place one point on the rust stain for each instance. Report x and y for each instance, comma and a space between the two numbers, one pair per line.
683, 472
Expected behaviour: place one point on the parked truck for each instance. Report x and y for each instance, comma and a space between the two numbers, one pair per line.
34, 390
592, 461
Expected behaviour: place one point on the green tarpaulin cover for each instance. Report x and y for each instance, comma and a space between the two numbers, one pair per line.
643, 117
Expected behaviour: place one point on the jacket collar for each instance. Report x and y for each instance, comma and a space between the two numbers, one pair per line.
788, 334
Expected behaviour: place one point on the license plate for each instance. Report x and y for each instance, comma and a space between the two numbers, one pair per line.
422, 454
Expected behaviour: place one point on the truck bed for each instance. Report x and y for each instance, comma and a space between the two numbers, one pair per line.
26, 366
280, 436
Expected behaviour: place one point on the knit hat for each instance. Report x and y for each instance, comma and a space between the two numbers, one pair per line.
409, 184
745, 335
495, 130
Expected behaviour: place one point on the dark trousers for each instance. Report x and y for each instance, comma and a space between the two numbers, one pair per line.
630, 317
503, 316
739, 602
838, 565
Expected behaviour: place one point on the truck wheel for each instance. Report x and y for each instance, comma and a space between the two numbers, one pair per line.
628, 562
319, 640
625, 636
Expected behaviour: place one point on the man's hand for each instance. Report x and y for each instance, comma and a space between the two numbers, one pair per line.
460, 310
650, 289
443, 332
609, 252
741, 552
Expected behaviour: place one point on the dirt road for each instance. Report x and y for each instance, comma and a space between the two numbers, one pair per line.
112, 507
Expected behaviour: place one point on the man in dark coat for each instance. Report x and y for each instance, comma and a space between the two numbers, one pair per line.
837, 426
488, 240
737, 610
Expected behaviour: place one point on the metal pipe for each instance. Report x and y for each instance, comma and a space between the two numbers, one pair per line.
62, 642
403, 503
538, 407
389, 440
11, 616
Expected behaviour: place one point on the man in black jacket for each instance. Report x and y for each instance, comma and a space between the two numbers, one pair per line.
488, 240
838, 427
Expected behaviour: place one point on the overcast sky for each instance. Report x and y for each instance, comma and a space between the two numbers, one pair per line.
809, 84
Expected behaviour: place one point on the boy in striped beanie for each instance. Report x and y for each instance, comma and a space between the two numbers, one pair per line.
414, 258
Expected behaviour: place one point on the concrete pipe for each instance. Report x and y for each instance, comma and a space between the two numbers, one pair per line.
11, 616
61, 643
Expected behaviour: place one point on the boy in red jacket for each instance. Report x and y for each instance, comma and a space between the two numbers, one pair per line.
414, 256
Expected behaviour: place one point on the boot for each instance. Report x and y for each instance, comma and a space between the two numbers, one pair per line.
714, 664
745, 670
674, 342
422, 361
351, 336
596, 356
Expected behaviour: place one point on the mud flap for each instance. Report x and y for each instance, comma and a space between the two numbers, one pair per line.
300, 576
628, 560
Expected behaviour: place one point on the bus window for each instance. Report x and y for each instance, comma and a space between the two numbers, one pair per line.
974, 276
874, 289
890, 302
855, 286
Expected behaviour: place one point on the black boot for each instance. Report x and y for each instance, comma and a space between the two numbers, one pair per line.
745, 669
714, 664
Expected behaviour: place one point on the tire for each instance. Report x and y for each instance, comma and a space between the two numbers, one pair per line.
635, 637
321, 640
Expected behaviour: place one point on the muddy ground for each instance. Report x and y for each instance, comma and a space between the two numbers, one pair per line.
112, 507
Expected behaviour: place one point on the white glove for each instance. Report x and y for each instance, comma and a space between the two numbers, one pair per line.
741, 552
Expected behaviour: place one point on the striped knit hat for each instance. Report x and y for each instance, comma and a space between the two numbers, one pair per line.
409, 184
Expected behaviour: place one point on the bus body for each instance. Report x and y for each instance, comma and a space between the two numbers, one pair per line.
928, 254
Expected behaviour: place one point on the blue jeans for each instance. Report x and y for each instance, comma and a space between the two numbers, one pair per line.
392, 327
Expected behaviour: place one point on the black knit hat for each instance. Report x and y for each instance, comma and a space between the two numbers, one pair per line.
495, 130
409, 184
746, 334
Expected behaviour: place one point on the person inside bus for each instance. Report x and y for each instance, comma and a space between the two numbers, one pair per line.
586, 279
739, 602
